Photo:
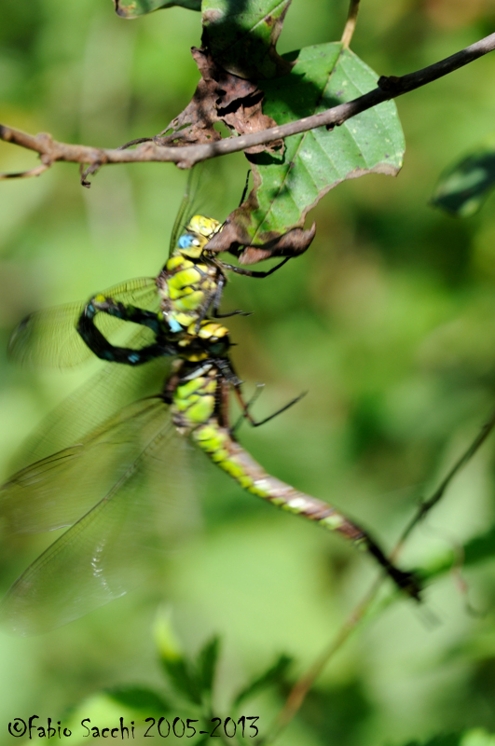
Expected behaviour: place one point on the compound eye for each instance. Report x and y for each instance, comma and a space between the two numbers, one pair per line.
187, 241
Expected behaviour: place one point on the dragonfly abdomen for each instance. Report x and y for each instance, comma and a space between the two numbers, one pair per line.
225, 452
230, 456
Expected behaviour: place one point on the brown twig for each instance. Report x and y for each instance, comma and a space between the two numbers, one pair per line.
350, 24
301, 688
37, 171
186, 156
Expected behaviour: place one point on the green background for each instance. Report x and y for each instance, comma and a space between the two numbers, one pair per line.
388, 322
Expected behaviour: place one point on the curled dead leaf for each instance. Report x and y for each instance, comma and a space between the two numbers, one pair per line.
219, 97
235, 239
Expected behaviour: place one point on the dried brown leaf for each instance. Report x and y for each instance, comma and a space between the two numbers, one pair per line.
235, 239
219, 97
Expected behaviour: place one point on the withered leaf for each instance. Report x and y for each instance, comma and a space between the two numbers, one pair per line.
235, 239
219, 97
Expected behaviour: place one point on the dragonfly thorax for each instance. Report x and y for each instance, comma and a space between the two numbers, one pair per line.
189, 281
186, 289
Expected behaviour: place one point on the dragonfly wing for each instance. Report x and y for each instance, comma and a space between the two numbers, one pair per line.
130, 472
184, 211
111, 388
205, 188
49, 337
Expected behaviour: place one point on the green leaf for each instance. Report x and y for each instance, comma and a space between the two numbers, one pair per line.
463, 187
241, 35
473, 737
207, 663
273, 675
449, 739
169, 647
135, 8
316, 161
479, 549
202, 741
139, 698
183, 678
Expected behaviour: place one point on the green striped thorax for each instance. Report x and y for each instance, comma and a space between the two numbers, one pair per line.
188, 282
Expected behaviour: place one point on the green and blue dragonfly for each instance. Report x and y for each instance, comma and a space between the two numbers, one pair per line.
118, 488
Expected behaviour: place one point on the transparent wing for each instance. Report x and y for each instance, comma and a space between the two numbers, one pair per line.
204, 189
186, 205
106, 392
50, 338
127, 481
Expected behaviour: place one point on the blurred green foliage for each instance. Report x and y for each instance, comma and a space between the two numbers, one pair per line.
464, 186
388, 321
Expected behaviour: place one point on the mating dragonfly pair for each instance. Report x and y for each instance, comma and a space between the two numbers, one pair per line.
115, 487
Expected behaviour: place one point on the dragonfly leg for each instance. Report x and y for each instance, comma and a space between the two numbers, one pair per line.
255, 273
248, 405
245, 407
100, 345
215, 298
246, 185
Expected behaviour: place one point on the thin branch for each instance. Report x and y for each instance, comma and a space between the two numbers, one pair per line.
430, 503
350, 24
37, 171
186, 156
301, 688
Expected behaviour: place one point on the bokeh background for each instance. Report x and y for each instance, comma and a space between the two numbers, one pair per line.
388, 322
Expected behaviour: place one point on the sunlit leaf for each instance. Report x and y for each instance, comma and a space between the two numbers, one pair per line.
135, 8
316, 161
242, 34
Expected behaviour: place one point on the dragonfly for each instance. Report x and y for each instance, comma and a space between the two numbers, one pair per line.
163, 309
188, 288
116, 489
124, 465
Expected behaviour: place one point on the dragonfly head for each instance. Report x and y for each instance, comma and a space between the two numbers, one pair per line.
197, 233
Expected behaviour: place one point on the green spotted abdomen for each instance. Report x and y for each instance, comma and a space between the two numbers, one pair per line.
225, 452
196, 413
